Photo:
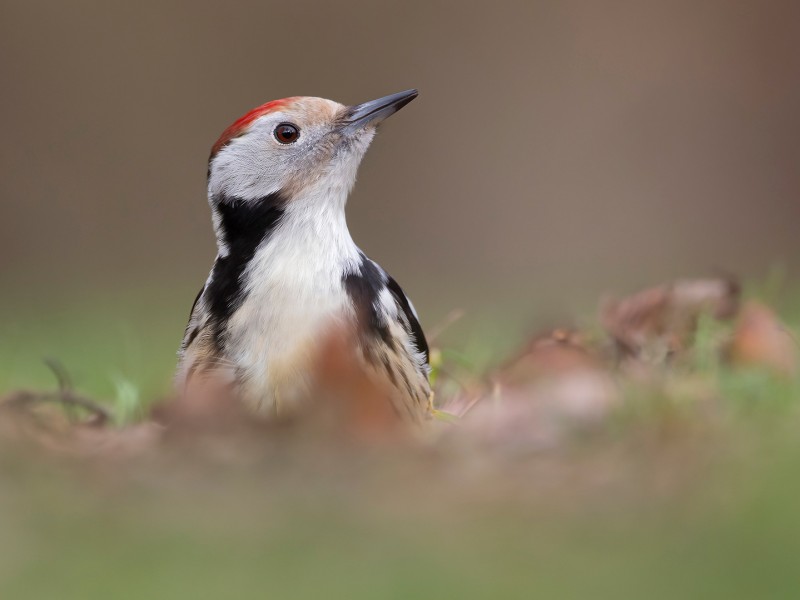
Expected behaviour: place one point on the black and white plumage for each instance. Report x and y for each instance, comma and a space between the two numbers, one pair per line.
287, 271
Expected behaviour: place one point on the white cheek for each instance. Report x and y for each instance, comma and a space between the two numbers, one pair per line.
244, 169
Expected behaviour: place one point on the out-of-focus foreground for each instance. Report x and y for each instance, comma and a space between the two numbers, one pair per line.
648, 453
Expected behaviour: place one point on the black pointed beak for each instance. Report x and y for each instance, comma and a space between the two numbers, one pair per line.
376, 111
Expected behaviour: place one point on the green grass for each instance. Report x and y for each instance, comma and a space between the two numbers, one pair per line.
112, 344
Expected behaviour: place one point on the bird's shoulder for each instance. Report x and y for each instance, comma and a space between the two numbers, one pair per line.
378, 297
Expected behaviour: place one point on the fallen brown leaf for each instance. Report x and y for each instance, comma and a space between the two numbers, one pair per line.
761, 339
658, 322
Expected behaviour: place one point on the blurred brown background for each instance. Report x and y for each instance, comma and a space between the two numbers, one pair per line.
558, 150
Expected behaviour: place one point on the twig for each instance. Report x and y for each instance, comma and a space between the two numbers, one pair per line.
452, 317
62, 376
21, 399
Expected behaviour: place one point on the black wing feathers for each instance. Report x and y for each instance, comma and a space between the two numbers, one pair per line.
364, 288
417, 336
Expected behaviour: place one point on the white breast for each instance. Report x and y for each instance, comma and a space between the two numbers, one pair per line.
293, 295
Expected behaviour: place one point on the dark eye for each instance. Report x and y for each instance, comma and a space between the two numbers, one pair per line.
286, 133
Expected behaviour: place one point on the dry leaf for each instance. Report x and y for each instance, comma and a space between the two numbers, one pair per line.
761, 339
658, 322
553, 352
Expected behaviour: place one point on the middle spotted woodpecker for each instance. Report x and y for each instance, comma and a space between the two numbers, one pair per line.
287, 270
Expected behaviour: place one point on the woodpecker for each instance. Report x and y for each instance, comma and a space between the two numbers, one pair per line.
287, 272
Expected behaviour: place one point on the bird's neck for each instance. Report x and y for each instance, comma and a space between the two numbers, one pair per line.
307, 231
274, 245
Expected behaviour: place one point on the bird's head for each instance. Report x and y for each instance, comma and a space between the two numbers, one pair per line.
296, 147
